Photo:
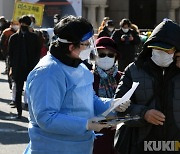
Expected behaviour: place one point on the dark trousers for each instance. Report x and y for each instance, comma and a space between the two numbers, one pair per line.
8, 69
5, 57
105, 144
18, 98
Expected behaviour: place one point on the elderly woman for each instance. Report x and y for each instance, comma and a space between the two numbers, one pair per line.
106, 78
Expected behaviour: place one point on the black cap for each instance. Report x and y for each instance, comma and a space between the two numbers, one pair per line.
25, 19
57, 16
110, 23
161, 46
74, 29
2, 18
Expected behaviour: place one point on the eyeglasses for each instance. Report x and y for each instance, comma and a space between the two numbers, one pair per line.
102, 55
85, 44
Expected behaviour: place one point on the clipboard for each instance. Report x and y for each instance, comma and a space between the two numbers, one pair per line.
117, 120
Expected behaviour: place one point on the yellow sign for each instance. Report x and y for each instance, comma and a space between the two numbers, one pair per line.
22, 8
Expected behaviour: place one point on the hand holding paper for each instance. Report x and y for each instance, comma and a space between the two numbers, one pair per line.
125, 98
123, 105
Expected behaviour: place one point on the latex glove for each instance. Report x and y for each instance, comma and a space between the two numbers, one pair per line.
123, 106
92, 125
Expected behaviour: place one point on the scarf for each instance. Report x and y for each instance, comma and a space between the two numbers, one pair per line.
107, 83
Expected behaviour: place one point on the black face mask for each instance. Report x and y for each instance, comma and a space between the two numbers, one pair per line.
24, 28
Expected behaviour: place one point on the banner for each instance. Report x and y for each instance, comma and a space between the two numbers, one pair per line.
61, 7
23, 8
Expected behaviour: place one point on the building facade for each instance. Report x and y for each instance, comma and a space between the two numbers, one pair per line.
144, 13
7, 8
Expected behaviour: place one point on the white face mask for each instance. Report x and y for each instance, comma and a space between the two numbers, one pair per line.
105, 63
55, 21
15, 27
85, 54
125, 30
162, 58
110, 29
32, 24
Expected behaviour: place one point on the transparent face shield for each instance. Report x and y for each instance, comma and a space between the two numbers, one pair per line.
91, 51
88, 40
93, 46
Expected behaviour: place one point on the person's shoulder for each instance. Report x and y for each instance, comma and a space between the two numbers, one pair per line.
117, 31
48, 66
119, 73
33, 34
130, 67
14, 36
6, 30
133, 32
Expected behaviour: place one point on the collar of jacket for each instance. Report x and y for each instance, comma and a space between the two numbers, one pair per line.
151, 68
65, 59
21, 33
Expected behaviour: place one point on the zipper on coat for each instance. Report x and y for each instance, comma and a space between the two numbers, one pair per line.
164, 102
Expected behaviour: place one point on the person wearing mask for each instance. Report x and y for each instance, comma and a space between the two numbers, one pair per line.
103, 23
126, 40
156, 99
24, 54
3, 25
60, 95
56, 19
106, 79
107, 30
4, 38
33, 23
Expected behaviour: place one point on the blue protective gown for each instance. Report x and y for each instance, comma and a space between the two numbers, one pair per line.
61, 100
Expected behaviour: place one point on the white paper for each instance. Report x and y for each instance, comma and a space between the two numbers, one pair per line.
121, 100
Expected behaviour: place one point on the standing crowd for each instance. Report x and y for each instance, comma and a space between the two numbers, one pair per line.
72, 79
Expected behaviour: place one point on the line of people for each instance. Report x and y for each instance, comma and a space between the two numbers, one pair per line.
126, 38
22, 47
62, 103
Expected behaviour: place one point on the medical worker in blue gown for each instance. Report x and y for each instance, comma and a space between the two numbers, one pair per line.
60, 95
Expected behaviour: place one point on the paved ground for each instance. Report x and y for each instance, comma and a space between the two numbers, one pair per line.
13, 133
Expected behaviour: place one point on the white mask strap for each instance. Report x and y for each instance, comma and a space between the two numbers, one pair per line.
63, 40
93, 45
